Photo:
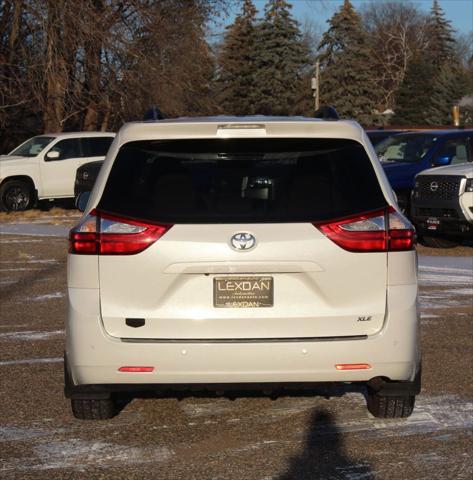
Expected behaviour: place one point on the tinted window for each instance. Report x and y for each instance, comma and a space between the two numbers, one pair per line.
244, 180
96, 146
456, 149
32, 147
405, 148
69, 148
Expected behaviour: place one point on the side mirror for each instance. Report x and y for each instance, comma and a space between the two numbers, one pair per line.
52, 155
442, 161
82, 200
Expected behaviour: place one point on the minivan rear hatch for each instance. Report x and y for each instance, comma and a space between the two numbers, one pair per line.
242, 257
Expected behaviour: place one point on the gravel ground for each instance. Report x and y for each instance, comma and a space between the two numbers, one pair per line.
297, 437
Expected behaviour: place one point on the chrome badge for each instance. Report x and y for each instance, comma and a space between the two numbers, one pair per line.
243, 241
434, 186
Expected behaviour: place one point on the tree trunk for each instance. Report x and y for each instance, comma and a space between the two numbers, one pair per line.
55, 69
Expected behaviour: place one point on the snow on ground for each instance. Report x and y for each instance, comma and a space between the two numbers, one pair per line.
31, 361
42, 298
450, 282
440, 416
36, 230
31, 335
445, 271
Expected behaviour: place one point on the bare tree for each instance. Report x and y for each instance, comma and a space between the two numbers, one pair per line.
397, 31
92, 64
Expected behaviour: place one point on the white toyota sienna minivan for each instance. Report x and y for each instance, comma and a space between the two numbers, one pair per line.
245, 253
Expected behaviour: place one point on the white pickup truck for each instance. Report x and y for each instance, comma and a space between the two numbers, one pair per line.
44, 167
442, 205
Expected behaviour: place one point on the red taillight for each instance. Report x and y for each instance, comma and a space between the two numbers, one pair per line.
103, 234
379, 231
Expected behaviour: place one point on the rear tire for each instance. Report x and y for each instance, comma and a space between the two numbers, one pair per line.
93, 409
15, 196
381, 406
438, 242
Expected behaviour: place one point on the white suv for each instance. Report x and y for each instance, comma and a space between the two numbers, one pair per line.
44, 167
241, 253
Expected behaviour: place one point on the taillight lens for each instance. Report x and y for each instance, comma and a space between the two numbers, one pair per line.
103, 234
379, 231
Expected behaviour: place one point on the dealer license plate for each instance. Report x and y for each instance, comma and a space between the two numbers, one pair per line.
432, 223
243, 292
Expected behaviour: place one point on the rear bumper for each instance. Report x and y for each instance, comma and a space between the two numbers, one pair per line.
94, 357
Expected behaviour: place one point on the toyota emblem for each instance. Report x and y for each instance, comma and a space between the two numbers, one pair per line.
434, 186
243, 241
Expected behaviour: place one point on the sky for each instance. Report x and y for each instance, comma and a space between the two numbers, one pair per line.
459, 12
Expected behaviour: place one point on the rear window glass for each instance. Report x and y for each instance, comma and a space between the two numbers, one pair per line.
97, 146
241, 180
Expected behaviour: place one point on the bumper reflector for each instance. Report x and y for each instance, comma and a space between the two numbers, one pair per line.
353, 366
135, 369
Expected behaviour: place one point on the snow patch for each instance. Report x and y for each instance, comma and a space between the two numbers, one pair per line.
79, 454
15, 434
20, 241
30, 361
46, 261
30, 335
19, 269
47, 296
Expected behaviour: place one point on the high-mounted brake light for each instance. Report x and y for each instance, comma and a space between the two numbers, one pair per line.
383, 230
103, 234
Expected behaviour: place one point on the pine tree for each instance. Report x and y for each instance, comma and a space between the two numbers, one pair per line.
414, 95
281, 57
236, 82
440, 37
347, 80
449, 87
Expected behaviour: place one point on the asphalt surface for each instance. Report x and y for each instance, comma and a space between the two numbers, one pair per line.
297, 437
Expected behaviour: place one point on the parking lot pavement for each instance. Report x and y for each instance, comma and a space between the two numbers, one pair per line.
298, 437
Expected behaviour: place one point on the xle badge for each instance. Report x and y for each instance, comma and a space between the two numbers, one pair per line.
364, 319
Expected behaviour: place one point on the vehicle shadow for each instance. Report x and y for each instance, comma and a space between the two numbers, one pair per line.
323, 456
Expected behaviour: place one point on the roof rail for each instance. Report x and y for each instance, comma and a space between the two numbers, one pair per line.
154, 113
326, 112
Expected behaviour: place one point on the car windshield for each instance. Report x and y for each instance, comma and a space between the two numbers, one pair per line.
32, 147
405, 148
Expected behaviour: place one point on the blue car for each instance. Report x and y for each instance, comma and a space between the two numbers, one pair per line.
404, 155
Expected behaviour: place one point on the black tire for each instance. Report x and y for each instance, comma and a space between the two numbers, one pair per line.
45, 205
15, 196
93, 409
381, 406
438, 242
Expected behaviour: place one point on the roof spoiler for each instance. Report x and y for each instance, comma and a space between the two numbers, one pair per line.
326, 112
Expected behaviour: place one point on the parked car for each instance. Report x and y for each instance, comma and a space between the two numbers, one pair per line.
86, 176
44, 167
241, 253
442, 205
405, 155
377, 136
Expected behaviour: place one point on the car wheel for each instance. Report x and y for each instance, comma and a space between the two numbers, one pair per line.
438, 242
381, 406
15, 196
93, 409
